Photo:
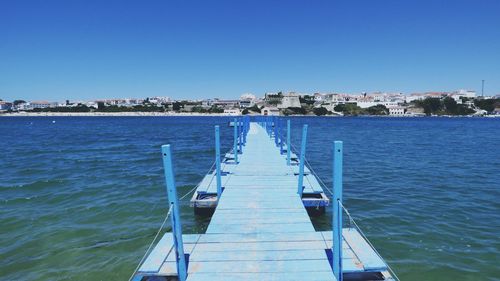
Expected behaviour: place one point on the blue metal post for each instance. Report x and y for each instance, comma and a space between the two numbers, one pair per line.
176, 219
270, 126
267, 125
240, 133
288, 148
281, 138
337, 210
275, 131
235, 142
217, 162
301, 163
245, 131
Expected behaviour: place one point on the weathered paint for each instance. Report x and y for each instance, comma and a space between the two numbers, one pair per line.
337, 209
235, 142
276, 126
217, 162
300, 185
288, 136
175, 217
240, 137
261, 228
281, 137
357, 257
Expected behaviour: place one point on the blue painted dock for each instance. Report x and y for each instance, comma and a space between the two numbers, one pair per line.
262, 162
260, 228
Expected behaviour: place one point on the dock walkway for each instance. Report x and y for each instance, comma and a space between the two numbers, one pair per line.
260, 229
260, 221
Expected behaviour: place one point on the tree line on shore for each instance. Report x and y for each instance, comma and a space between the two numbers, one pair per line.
429, 106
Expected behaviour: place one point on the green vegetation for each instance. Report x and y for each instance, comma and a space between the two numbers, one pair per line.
453, 108
136, 108
78, 108
487, 104
18, 102
306, 99
295, 111
430, 106
353, 109
378, 109
446, 106
320, 111
213, 109
348, 109
176, 106
274, 99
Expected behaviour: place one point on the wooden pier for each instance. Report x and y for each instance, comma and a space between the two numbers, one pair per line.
260, 228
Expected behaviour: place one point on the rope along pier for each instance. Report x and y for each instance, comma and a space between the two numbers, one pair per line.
260, 227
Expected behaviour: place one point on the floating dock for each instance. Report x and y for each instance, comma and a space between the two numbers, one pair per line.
262, 162
259, 194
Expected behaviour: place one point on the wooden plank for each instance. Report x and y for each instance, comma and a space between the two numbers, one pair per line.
269, 255
261, 218
277, 276
261, 246
260, 266
369, 258
226, 204
260, 237
365, 258
258, 227
291, 211
261, 195
158, 255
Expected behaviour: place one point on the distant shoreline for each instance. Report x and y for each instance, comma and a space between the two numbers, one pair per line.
99, 114
193, 114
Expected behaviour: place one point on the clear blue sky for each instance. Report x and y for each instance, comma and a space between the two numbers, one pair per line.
86, 49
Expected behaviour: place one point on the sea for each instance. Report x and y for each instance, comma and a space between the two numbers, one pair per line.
81, 198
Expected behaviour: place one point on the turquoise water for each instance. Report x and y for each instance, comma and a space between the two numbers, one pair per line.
82, 198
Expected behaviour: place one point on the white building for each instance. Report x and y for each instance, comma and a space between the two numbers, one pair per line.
377, 97
396, 111
289, 100
335, 98
5, 106
247, 96
91, 104
414, 97
366, 104
247, 100
456, 97
466, 93
159, 100
319, 97
39, 104
207, 103
270, 111
232, 112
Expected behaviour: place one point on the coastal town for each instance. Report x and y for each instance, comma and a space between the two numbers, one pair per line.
456, 103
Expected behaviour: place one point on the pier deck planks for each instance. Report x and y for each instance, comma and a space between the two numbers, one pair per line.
260, 229
261, 213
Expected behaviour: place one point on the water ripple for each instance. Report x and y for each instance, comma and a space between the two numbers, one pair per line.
82, 198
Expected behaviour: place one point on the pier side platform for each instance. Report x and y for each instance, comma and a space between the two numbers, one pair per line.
260, 228
263, 161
